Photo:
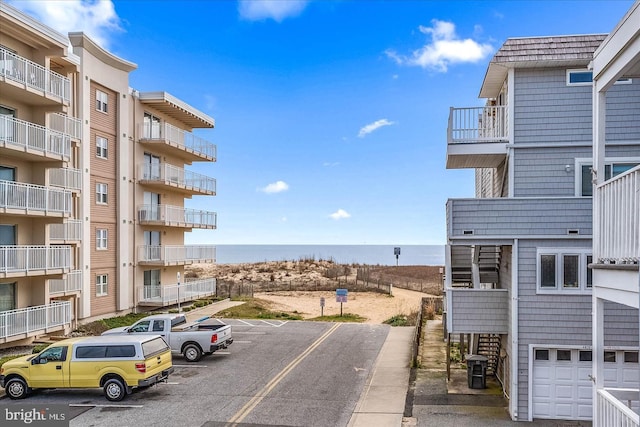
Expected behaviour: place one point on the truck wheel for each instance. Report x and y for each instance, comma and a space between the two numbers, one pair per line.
192, 353
16, 388
114, 390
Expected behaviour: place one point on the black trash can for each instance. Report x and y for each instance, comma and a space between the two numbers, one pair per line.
477, 371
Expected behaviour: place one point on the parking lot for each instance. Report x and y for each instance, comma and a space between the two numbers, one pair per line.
275, 373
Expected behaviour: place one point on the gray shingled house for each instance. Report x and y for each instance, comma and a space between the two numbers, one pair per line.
518, 281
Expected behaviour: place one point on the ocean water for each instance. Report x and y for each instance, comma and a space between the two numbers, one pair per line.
342, 254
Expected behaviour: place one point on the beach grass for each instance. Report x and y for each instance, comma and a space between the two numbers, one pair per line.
255, 308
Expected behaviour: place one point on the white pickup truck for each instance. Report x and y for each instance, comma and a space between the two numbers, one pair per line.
192, 340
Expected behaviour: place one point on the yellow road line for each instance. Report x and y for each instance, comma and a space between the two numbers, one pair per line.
250, 405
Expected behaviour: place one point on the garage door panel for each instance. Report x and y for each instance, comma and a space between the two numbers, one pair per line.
564, 410
541, 390
585, 411
564, 373
542, 372
564, 392
584, 392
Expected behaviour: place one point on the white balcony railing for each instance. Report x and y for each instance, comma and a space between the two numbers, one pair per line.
64, 124
611, 411
176, 254
66, 177
16, 259
618, 233
478, 124
70, 230
34, 319
30, 197
175, 176
72, 282
30, 136
177, 137
34, 75
176, 215
171, 294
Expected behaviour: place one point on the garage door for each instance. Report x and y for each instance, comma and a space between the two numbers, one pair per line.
562, 388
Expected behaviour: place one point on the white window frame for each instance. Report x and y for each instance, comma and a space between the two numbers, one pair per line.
102, 285
583, 273
609, 161
102, 235
101, 147
102, 101
102, 193
622, 81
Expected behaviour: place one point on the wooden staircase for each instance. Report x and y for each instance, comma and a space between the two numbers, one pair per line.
489, 346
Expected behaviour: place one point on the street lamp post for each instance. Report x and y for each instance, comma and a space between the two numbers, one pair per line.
178, 292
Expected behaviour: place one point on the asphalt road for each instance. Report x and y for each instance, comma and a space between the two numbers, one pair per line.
275, 374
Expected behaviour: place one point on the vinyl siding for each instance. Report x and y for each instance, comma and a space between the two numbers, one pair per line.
559, 319
541, 172
518, 217
548, 111
480, 311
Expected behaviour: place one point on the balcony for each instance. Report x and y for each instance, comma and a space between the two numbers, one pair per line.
176, 216
37, 80
166, 175
616, 244
175, 142
33, 142
69, 231
33, 200
612, 411
477, 137
175, 255
162, 296
68, 178
26, 322
64, 124
507, 218
482, 311
34, 260
71, 283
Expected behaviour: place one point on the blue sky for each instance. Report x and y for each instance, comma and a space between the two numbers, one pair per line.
331, 116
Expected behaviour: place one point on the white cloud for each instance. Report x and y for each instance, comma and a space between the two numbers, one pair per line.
275, 187
340, 214
444, 49
330, 164
278, 10
96, 18
374, 126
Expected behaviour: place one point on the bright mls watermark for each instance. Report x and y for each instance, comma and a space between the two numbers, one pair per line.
35, 415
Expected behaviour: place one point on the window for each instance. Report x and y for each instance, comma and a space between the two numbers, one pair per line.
585, 356
151, 126
140, 326
53, 354
562, 270
611, 169
101, 285
548, 271
610, 356
101, 147
101, 238
121, 351
542, 354
584, 77
570, 268
101, 193
630, 357
563, 355
156, 345
91, 352
101, 101
158, 326
7, 296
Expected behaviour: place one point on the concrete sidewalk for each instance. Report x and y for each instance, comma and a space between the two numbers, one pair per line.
382, 402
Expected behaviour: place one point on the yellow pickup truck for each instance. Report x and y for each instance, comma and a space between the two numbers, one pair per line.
118, 364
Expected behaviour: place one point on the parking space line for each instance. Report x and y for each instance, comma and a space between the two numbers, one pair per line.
273, 324
190, 365
245, 322
248, 333
97, 405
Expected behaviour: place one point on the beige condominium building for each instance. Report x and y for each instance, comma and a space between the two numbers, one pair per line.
93, 183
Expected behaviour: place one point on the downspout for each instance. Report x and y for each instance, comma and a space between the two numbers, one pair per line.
133, 93
513, 402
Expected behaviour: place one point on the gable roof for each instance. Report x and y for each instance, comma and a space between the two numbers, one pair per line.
538, 52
